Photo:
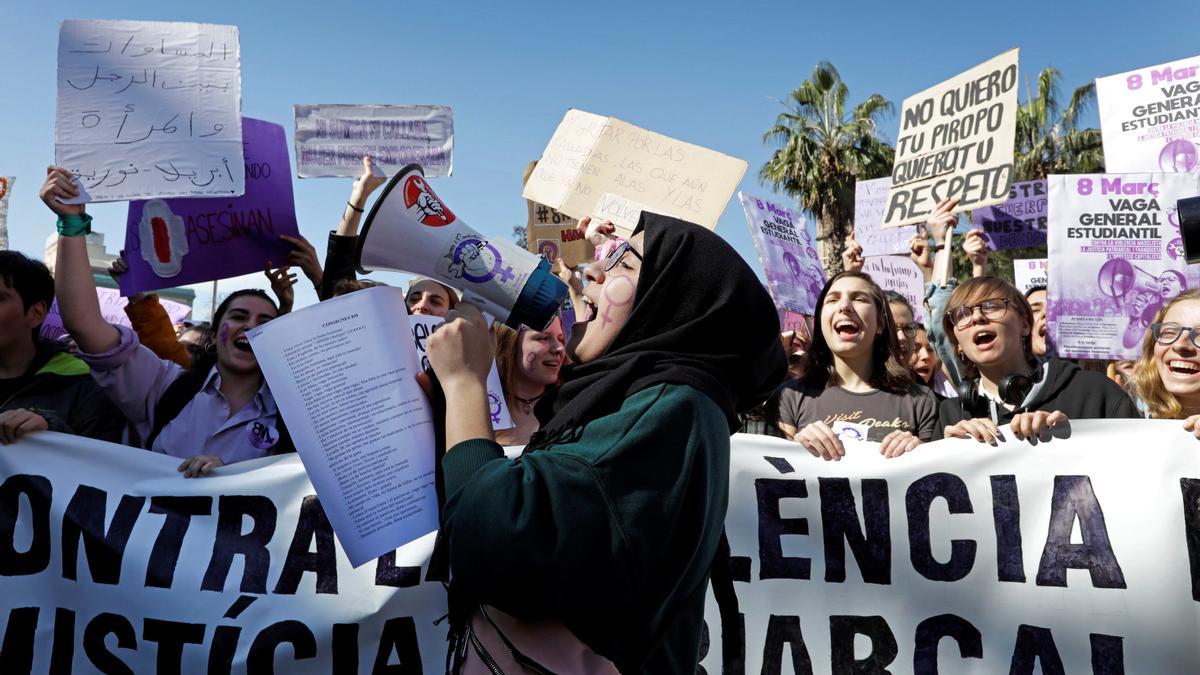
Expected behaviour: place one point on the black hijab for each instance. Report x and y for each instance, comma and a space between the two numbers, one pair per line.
700, 317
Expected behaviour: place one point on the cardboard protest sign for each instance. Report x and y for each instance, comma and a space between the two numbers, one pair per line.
793, 268
149, 109
899, 274
1115, 256
332, 139
1018, 222
1150, 118
171, 242
6, 183
870, 202
553, 235
1029, 273
956, 140
590, 156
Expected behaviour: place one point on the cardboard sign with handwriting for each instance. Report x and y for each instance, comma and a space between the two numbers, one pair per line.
171, 242
149, 109
956, 141
591, 156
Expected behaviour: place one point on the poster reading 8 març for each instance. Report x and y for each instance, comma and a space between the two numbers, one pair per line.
1150, 118
785, 248
1115, 256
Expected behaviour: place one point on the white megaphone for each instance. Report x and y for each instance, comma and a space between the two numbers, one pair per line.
410, 230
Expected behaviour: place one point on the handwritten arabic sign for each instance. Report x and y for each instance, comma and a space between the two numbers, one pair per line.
149, 109
1150, 118
112, 308
169, 242
956, 141
5, 188
870, 201
590, 155
332, 139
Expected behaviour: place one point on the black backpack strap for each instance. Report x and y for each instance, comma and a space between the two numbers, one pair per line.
173, 401
181, 392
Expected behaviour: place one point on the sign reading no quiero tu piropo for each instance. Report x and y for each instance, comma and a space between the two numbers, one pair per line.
956, 141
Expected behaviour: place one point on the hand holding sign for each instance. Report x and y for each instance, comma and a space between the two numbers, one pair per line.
59, 188
976, 248
304, 256
852, 257
462, 350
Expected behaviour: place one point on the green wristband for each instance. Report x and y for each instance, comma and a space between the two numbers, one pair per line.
71, 225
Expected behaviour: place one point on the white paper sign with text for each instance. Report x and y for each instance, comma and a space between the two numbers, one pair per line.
348, 392
150, 109
902, 275
1029, 273
332, 139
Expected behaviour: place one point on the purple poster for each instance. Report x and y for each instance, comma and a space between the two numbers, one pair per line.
1115, 257
112, 308
870, 200
172, 242
794, 273
1018, 222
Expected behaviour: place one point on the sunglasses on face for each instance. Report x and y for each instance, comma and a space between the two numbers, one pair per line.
993, 309
614, 257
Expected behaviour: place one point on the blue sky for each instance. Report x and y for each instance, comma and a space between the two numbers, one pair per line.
710, 73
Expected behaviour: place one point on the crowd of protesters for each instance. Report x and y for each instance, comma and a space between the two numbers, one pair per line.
652, 391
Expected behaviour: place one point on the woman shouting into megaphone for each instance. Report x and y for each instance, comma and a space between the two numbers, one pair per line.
591, 552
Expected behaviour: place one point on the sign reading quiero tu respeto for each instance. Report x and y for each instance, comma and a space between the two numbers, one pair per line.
956, 142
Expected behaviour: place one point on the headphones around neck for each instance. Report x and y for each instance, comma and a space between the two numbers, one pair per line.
1012, 389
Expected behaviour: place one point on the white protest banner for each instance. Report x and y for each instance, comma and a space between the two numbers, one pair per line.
1029, 273
112, 309
332, 139
6, 183
347, 389
423, 326
590, 155
956, 141
1150, 118
113, 562
1017, 223
1115, 256
150, 109
785, 249
1068, 555
899, 274
870, 201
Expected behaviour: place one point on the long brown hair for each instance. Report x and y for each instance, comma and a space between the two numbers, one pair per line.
508, 358
977, 290
1146, 383
888, 372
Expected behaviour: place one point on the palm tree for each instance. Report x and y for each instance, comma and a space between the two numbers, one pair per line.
1048, 140
823, 151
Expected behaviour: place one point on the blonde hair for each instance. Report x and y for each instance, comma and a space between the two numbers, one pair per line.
1146, 383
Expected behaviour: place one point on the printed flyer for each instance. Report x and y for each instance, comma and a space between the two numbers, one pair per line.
1115, 256
785, 248
1150, 118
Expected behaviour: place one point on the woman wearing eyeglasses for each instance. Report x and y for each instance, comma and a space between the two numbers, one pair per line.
990, 323
858, 386
1166, 377
591, 552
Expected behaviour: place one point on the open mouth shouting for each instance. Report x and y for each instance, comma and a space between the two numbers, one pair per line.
589, 310
1186, 370
847, 329
242, 344
984, 339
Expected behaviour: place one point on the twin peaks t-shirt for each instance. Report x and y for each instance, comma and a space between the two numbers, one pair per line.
882, 412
